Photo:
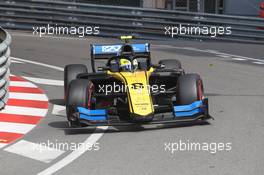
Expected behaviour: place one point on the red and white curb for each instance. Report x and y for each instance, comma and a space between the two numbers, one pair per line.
26, 106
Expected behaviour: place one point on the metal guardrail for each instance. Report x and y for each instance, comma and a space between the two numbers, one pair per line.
115, 21
5, 41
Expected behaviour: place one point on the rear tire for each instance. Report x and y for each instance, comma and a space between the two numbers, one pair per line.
77, 96
171, 63
189, 89
71, 72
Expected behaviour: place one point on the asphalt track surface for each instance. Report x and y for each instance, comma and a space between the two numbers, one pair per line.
234, 84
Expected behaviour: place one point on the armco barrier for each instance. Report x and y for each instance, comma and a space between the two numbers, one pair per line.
5, 41
114, 21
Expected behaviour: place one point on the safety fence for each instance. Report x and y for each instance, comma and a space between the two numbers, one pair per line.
5, 41
143, 23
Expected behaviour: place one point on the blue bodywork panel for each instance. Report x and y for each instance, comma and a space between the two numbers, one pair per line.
188, 110
115, 48
94, 115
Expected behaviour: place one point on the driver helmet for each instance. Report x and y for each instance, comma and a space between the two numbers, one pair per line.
127, 65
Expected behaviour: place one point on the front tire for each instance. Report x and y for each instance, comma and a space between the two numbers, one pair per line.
77, 96
71, 72
189, 89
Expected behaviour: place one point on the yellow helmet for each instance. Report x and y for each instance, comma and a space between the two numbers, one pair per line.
126, 65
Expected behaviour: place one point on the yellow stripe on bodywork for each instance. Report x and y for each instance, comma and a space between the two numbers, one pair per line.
138, 94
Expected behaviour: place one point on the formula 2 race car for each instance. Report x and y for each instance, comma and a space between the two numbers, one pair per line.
129, 89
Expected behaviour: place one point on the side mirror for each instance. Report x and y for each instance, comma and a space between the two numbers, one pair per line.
102, 68
162, 66
159, 66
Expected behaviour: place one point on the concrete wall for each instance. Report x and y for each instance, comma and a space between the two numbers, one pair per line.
242, 7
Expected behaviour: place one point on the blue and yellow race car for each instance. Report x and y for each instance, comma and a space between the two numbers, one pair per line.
129, 89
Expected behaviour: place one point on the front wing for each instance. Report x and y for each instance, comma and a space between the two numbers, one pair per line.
197, 110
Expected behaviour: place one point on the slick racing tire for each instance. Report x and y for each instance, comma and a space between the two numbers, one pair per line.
189, 89
70, 73
77, 96
171, 63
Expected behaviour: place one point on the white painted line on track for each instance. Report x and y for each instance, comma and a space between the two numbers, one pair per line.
87, 144
15, 127
239, 59
38, 63
22, 84
58, 110
2, 145
256, 62
34, 151
45, 81
19, 62
24, 110
247, 58
213, 52
28, 96
224, 56
191, 48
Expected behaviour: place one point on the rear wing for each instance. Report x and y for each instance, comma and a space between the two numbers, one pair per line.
107, 51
